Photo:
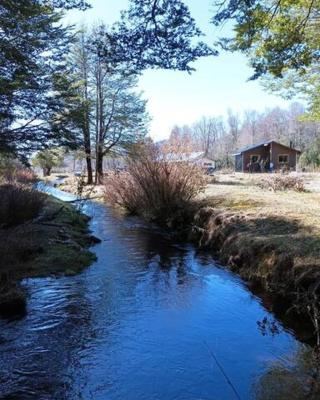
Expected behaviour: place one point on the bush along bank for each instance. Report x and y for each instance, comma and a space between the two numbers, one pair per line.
274, 254
53, 240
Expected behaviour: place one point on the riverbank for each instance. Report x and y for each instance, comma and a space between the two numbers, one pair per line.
271, 239
76, 185
55, 243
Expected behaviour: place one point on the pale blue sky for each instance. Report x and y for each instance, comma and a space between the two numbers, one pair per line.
175, 97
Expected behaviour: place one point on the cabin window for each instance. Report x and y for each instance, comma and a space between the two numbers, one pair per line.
283, 158
254, 158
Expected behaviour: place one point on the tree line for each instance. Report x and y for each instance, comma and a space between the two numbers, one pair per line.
218, 137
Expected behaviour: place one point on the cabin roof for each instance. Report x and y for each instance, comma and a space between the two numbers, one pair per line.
264, 143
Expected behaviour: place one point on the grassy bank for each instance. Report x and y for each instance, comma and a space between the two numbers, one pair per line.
270, 238
53, 244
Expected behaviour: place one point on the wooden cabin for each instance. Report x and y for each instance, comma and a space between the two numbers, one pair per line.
266, 156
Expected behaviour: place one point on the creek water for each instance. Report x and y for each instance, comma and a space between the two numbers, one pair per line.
152, 319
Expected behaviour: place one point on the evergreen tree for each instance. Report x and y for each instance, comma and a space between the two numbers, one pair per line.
32, 47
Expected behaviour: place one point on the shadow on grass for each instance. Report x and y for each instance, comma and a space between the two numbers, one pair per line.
272, 226
223, 202
231, 183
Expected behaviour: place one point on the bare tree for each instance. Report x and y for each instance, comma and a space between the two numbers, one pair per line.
234, 127
207, 132
251, 125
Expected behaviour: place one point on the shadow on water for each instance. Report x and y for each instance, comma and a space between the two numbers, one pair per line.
150, 320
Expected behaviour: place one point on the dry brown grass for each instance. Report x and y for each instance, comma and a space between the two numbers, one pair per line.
240, 192
271, 238
19, 204
279, 182
159, 185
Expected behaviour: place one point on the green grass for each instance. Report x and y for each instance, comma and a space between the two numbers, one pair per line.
55, 244
68, 240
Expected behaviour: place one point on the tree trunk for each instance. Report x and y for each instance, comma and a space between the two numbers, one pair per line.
89, 170
46, 171
100, 120
87, 149
86, 115
99, 167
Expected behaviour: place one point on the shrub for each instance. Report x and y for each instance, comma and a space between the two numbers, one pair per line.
310, 159
11, 170
282, 182
19, 204
20, 175
158, 184
48, 159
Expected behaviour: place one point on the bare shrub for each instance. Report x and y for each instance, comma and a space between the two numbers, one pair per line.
282, 182
12, 170
25, 176
20, 175
19, 204
159, 184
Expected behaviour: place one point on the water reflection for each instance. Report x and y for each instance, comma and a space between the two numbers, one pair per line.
137, 325
296, 377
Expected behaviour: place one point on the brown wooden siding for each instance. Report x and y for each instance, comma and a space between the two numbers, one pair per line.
271, 153
262, 151
277, 149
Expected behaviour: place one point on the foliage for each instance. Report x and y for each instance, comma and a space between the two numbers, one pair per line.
107, 110
156, 34
282, 40
19, 204
32, 48
78, 96
278, 35
282, 182
157, 184
311, 157
46, 100
48, 159
11, 170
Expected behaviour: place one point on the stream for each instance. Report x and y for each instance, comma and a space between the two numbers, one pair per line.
152, 319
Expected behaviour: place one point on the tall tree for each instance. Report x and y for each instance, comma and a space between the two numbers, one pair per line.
32, 45
120, 112
251, 125
206, 131
80, 64
234, 127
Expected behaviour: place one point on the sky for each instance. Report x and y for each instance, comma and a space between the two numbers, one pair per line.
178, 98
